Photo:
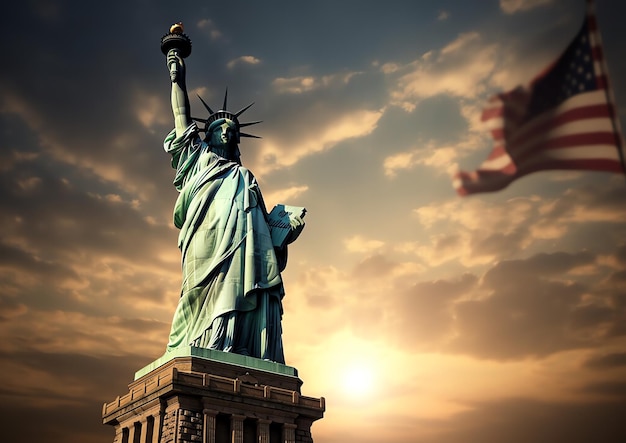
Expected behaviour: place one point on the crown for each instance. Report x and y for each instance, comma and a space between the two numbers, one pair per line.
225, 114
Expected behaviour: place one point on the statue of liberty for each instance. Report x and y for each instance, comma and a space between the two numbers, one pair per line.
231, 295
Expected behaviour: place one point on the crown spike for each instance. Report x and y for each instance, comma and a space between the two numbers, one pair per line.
243, 134
208, 108
243, 125
225, 99
241, 111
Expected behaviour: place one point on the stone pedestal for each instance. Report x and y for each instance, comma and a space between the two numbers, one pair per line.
200, 395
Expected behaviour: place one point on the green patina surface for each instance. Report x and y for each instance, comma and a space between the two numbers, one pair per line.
224, 357
232, 289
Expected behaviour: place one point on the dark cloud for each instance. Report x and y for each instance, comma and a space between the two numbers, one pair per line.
69, 409
524, 420
499, 243
510, 420
58, 212
16, 259
621, 254
99, 375
71, 242
447, 242
534, 309
518, 309
423, 315
608, 389
376, 266
589, 211
618, 277
74, 423
507, 273
319, 301
10, 308
606, 361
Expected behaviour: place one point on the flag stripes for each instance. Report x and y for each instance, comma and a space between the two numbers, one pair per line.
564, 119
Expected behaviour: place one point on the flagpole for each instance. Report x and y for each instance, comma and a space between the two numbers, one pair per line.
596, 42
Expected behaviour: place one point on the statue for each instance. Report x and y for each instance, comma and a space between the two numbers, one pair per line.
232, 290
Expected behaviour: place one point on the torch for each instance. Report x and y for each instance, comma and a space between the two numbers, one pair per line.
176, 40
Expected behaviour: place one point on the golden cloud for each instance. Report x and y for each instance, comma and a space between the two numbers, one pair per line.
301, 84
354, 124
513, 6
243, 60
462, 68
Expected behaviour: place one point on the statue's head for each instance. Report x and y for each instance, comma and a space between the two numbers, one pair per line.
222, 136
222, 130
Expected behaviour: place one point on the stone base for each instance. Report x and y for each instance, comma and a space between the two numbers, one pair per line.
199, 395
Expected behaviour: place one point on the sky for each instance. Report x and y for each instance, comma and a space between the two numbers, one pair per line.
419, 315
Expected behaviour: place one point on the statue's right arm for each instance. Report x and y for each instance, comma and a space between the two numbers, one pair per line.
180, 99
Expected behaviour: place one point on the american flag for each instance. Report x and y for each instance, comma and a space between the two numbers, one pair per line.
564, 119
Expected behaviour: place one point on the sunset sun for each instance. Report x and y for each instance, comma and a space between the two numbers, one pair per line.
358, 379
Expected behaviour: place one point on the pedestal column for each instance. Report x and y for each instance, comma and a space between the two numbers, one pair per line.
236, 428
209, 425
263, 430
289, 433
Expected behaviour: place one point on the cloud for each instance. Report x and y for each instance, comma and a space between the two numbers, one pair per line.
327, 135
209, 26
440, 158
376, 266
9, 307
52, 386
521, 420
151, 110
284, 195
243, 60
294, 85
357, 243
424, 313
514, 6
64, 331
550, 312
461, 69
68, 266
543, 264
518, 309
302, 84
482, 232
606, 361
97, 153
443, 15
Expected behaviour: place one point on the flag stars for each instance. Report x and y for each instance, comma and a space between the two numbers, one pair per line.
572, 74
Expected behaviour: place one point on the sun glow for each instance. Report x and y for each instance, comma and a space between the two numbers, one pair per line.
358, 379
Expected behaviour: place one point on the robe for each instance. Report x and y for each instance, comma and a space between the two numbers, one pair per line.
231, 295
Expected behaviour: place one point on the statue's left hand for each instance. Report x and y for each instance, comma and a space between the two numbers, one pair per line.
297, 225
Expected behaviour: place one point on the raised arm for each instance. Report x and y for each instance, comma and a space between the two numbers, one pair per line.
180, 99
